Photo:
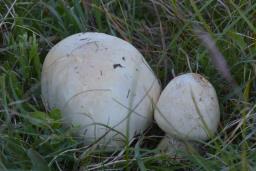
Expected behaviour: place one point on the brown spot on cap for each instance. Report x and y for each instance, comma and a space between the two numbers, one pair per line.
201, 80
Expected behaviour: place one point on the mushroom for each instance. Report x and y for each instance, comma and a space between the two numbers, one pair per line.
103, 85
187, 110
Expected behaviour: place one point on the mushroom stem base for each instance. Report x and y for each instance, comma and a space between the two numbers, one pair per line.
174, 146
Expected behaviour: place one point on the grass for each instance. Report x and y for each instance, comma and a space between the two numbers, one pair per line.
32, 138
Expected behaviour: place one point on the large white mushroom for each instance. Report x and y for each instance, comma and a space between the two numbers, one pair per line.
187, 109
102, 84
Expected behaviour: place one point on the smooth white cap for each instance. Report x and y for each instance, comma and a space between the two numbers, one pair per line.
188, 108
100, 83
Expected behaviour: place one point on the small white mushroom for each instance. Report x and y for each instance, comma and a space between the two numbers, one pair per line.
187, 109
102, 84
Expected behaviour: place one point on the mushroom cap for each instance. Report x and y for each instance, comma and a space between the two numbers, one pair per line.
102, 84
188, 108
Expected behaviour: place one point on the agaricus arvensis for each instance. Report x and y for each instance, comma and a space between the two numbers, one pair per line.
103, 85
187, 109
